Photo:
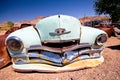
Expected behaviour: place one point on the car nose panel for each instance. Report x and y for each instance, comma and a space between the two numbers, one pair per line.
59, 28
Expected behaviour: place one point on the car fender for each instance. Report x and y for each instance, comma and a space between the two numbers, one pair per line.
89, 34
28, 36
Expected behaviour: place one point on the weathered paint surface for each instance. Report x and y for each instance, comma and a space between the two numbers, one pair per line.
47, 27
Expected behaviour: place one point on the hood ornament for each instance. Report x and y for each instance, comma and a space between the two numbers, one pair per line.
59, 31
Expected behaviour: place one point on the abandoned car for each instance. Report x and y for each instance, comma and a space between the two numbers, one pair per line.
56, 43
116, 29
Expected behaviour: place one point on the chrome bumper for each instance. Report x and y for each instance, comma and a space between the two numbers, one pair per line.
45, 56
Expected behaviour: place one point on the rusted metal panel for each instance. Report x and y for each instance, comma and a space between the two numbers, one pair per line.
4, 56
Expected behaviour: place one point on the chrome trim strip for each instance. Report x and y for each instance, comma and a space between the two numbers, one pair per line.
59, 50
60, 41
46, 56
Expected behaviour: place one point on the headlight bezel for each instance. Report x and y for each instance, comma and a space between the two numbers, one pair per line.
101, 39
14, 43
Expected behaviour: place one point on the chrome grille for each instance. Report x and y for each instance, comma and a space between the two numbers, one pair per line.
40, 54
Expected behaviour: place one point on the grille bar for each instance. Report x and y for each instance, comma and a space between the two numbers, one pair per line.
59, 50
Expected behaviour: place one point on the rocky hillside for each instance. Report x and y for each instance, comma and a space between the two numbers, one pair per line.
6, 25
2, 24
92, 18
35, 20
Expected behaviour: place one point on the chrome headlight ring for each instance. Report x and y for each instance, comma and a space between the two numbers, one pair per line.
101, 39
14, 43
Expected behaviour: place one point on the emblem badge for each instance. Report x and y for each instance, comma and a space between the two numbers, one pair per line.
60, 31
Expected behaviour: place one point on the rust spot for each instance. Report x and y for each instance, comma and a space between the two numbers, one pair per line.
4, 56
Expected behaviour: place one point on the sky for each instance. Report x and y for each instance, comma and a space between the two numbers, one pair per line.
18, 10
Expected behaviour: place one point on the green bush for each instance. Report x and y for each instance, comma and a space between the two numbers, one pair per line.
8, 26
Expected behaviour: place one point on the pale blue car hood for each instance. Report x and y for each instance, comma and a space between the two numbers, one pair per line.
59, 27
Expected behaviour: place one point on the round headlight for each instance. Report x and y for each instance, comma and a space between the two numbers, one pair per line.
101, 39
14, 44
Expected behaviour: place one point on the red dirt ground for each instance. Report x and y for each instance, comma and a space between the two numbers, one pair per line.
109, 70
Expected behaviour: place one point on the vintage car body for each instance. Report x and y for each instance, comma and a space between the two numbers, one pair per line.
116, 29
117, 32
4, 56
57, 43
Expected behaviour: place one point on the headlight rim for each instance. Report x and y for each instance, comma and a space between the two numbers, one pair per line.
98, 39
16, 39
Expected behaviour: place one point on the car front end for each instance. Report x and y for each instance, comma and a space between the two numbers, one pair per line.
57, 43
